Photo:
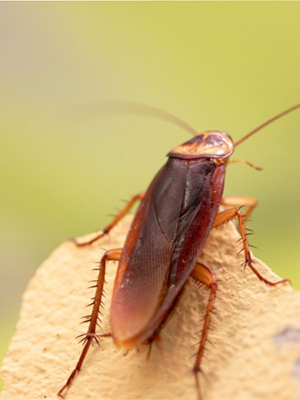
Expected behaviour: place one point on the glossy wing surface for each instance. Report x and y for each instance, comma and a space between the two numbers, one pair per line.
167, 233
144, 266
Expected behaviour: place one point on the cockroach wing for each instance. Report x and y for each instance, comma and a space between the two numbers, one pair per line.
144, 265
166, 236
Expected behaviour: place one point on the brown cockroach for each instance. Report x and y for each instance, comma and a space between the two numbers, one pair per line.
166, 238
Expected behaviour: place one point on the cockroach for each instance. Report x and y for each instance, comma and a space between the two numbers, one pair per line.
165, 240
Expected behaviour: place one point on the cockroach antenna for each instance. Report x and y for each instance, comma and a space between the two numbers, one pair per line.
104, 108
266, 123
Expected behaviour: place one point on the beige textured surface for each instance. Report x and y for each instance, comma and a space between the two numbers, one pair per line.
255, 342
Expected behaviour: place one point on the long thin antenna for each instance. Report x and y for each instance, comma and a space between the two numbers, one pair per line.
106, 108
289, 110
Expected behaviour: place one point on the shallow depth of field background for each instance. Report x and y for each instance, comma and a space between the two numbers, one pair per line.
226, 66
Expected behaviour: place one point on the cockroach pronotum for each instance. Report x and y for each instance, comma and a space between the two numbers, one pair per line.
165, 239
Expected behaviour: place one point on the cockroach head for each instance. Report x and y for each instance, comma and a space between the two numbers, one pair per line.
208, 144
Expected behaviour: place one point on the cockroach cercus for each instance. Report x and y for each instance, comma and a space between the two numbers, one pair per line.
165, 240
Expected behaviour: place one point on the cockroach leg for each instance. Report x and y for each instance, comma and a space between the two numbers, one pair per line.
246, 162
149, 351
114, 222
110, 255
98, 335
202, 274
155, 339
238, 201
226, 216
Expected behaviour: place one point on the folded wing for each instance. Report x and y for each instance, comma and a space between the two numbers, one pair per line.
161, 249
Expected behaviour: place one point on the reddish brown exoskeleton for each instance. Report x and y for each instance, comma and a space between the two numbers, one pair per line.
166, 237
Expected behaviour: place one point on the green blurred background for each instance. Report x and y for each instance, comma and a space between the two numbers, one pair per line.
226, 66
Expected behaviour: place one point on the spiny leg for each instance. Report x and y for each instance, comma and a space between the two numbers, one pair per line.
114, 222
93, 336
202, 274
93, 319
226, 216
239, 201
